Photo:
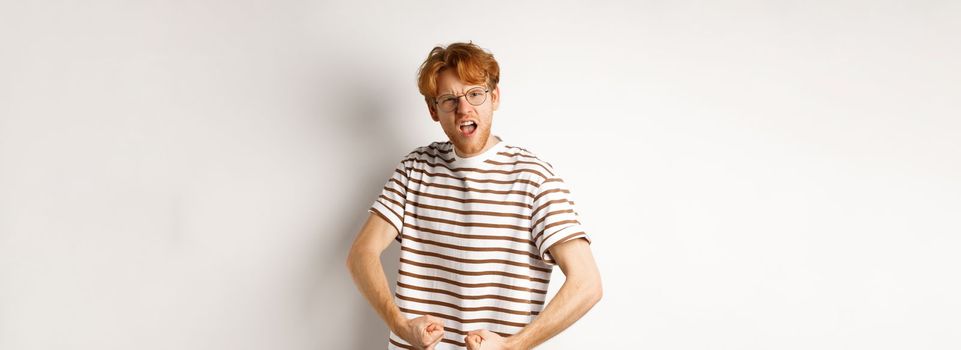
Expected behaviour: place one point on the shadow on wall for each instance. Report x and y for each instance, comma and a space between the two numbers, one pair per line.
370, 153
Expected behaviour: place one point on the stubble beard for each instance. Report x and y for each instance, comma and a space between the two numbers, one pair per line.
481, 136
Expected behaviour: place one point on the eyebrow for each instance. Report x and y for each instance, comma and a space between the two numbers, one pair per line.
468, 89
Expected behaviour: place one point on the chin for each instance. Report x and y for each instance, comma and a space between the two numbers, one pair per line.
471, 146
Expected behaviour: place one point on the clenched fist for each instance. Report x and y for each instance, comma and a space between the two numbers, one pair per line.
423, 332
482, 339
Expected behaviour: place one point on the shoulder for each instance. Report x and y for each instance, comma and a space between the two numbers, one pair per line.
522, 157
434, 151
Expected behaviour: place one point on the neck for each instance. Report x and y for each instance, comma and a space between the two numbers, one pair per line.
491, 141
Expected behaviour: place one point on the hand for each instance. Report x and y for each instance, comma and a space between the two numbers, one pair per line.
423, 332
482, 339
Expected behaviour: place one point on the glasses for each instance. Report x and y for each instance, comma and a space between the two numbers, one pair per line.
475, 96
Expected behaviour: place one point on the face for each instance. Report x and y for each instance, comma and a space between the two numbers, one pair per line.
467, 142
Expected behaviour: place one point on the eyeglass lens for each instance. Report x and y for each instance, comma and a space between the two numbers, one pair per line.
475, 96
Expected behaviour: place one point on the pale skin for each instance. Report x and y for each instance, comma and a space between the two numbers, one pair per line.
483, 115
579, 293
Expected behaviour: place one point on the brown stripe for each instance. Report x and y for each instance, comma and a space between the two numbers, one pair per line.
391, 189
475, 261
464, 320
539, 221
465, 309
479, 170
538, 235
399, 217
469, 297
440, 152
534, 213
514, 154
553, 179
470, 285
466, 224
460, 200
468, 189
551, 191
505, 182
561, 223
565, 238
452, 330
518, 162
392, 201
469, 212
522, 149
402, 185
445, 340
509, 154
399, 345
458, 331
426, 153
473, 249
402, 174
555, 224
467, 236
529, 154
475, 273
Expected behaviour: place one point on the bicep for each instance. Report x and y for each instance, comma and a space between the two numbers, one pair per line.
375, 236
575, 259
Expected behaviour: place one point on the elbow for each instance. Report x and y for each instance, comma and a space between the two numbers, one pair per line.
351, 260
359, 257
589, 290
596, 291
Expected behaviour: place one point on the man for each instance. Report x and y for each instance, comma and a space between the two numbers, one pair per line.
481, 224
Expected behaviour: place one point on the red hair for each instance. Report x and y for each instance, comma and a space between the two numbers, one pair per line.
471, 64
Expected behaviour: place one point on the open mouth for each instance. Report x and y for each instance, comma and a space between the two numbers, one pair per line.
467, 128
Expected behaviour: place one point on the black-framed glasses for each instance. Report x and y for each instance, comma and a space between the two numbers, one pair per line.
448, 103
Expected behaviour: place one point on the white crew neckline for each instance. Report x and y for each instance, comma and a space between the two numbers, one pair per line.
479, 159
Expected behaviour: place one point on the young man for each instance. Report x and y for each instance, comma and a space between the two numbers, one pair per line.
481, 224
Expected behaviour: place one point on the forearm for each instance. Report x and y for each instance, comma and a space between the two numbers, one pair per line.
572, 301
368, 275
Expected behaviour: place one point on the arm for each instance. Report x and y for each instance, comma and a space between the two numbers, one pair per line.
368, 274
580, 291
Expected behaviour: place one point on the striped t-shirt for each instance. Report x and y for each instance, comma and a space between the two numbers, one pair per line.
474, 235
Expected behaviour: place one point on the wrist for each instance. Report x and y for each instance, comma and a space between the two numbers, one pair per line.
398, 324
514, 343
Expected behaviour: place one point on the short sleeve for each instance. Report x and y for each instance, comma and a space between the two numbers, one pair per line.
554, 219
390, 204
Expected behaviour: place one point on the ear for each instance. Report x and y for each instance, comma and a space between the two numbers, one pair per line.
432, 110
496, 97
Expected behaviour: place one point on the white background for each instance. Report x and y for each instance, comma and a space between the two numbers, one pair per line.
755, 175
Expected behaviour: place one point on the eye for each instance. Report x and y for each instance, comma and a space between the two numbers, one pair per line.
445, 99
476, 93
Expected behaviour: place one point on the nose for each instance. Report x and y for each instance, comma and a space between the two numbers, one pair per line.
463, 106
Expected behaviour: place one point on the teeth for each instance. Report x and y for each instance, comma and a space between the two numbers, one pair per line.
467, 123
